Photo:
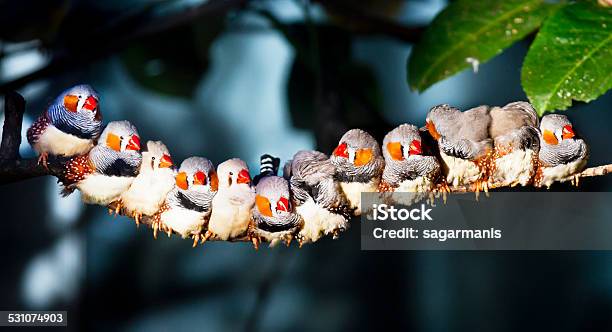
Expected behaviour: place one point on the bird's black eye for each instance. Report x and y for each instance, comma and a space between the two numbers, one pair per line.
121, 138
231, 173
153, 158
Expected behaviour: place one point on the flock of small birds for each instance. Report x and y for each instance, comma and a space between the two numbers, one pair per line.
317, 195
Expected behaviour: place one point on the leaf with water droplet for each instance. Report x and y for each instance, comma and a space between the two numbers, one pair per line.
471, 28
571, 57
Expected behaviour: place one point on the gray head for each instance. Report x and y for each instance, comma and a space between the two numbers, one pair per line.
439, 118
197, 174
358, 155
233, 173
120, 136
118, 150
402, 143
404, 156
273, 209
76, 111
80, 99
556, 128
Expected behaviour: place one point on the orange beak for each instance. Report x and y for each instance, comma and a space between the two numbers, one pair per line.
199, 178
181, 180
263, 205
341, 151
431, 128
134, 143
214, 181
71, 102
567, 132
244, 177
282, 204
415, 148
165, 162
90, 103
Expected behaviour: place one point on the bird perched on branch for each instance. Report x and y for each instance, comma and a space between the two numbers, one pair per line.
407, 168
359, 165
464, 143
274, 218
69, 126
233, 203
516, 141
109, 169
188, 205
562, 152
317, 196
155, 179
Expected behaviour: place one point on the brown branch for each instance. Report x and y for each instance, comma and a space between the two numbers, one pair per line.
589, 172
12, 167
14, 107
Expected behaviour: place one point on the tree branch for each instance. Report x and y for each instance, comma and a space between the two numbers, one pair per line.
12, 167
14, 107
589, 172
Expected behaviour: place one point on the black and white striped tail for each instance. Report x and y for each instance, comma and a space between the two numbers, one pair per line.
268, 165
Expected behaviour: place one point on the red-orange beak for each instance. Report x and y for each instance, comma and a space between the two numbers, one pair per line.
341, 151
90, 103
415, 148
165, 162
244, 177
214, 181
199, 178
282, 204
431, 128
567, 132
134, 143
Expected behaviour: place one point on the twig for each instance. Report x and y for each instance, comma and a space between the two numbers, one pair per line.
589, 172
12, 167
14, 107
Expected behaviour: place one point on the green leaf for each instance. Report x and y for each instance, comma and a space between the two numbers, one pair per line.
471, 30
571, 58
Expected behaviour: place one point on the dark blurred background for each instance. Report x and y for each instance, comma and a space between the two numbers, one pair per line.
240, 78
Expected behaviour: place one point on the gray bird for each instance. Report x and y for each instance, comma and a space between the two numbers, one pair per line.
274, 219
464, 143
318, 196
562, 153
406, 168
109, 169
359, 165
188, 206
516, 142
